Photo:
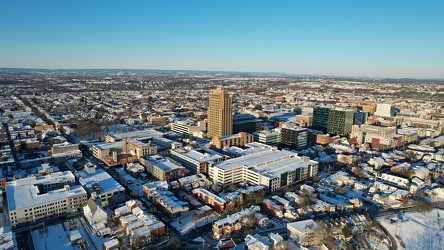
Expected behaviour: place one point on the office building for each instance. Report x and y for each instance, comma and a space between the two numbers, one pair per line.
36, 199
188, 127
295, 138
340, 121
360, 118
220, 113
269, 137
320, 118
246, 123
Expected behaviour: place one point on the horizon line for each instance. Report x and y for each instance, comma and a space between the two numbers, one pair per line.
228, 71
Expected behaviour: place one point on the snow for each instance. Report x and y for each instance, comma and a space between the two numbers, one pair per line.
186, 224
58, 236
199, 239
417, 230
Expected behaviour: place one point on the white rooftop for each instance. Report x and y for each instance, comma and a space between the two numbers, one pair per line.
26, 194
163, 164
197, 156
136, 134
303, 226
269, 163
106, 145
107, 183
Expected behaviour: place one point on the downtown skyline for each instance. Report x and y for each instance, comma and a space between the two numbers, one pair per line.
344, 38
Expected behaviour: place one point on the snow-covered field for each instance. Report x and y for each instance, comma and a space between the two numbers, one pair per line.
416, 230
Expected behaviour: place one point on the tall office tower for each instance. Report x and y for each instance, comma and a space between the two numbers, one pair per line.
220, 113
320, 118
340, 121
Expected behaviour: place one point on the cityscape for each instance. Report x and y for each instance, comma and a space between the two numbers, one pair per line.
259, 125
182, 160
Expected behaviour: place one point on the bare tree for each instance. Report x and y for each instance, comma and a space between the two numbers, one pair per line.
174, 243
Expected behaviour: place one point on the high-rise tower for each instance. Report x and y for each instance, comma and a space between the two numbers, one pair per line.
220, 113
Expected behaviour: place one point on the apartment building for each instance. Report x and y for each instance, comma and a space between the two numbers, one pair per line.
162, 169
211, 199
37, 199
63, 148
131, 146
100, 185
170, 206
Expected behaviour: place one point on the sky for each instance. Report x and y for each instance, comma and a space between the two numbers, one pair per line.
378, 38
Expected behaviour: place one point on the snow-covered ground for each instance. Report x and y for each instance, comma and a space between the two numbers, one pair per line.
186, 224
416, 230
57, 237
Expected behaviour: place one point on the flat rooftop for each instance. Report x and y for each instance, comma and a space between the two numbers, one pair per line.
255, 159
366, 126
26, 194
107, 183
101, 146
251, 150
197, 156
279, 167
53, 177
136, 134
163, 164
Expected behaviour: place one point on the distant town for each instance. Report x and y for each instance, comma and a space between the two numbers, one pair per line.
158, 159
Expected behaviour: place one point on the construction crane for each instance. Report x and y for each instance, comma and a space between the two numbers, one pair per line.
12, 146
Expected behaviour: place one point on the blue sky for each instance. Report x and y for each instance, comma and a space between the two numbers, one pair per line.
386, 38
